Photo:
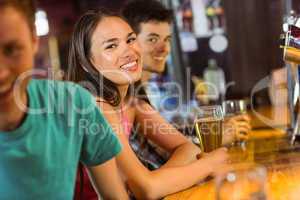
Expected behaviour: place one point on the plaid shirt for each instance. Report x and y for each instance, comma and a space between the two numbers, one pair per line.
147, 152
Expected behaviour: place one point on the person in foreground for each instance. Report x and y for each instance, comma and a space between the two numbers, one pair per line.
105, 57
43, 135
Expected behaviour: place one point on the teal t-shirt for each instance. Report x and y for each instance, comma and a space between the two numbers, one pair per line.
63, 126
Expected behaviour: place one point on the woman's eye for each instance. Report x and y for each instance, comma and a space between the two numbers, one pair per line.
112, 46
130, 40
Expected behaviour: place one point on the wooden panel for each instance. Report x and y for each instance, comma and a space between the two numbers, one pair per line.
253, 29
111, 4
296, 6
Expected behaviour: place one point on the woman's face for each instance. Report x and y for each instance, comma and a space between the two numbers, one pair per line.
115, 52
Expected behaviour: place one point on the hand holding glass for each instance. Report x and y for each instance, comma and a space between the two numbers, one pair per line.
233, 108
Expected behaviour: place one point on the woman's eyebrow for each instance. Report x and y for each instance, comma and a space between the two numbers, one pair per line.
110, 40
130, 34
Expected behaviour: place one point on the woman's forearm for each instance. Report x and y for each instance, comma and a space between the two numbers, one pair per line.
182, 155
170, 180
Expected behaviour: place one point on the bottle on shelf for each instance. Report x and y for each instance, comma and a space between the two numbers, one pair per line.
215, 79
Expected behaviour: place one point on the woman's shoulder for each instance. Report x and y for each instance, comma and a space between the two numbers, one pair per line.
142, 106
139, 101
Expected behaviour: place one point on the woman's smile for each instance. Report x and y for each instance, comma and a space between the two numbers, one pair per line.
131, 66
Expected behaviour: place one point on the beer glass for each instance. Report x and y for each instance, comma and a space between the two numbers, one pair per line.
233, 108
209, 127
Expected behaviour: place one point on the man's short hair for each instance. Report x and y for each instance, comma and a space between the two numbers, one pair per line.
26, 7
142, 11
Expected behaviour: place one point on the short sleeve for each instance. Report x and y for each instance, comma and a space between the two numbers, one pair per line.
99, 142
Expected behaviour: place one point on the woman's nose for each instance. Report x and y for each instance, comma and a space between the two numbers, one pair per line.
129, 52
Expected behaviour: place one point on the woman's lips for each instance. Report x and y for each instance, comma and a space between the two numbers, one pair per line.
132, 66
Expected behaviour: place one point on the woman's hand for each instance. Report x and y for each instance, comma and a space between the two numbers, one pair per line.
236, 128
216, 160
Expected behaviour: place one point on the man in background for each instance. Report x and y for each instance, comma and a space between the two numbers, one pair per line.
152, 22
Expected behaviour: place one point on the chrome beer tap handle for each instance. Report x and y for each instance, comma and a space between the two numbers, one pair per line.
295, 132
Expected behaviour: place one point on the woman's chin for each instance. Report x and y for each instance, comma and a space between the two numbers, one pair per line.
127, 83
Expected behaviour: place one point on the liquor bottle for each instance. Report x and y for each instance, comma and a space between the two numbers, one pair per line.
215, 79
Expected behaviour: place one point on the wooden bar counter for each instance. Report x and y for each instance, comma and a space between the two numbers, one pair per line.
268, 147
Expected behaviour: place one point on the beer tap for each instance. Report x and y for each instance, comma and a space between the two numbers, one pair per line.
292, 58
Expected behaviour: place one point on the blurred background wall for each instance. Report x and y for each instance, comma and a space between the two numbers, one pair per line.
252, 28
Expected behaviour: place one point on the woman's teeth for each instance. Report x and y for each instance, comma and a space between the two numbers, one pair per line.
129, 65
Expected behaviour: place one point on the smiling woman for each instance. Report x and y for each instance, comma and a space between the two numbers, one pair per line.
106, 58
93, 49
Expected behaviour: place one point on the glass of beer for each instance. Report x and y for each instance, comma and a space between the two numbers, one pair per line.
233, 108
209, 127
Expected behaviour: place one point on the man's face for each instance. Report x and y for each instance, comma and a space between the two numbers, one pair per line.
155, 42
17, 48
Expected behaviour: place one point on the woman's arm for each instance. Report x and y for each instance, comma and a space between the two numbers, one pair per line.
162, 133
156, 184
107, 182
